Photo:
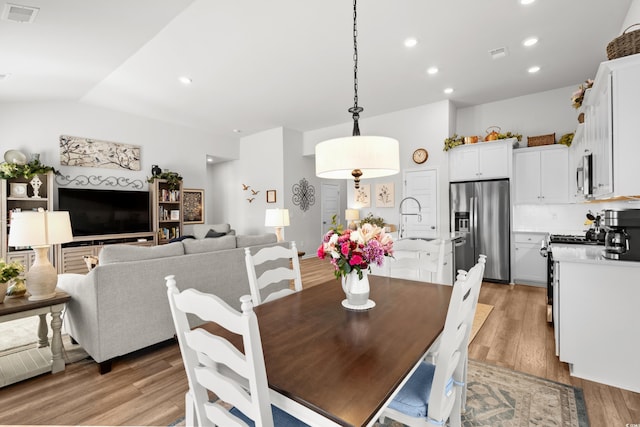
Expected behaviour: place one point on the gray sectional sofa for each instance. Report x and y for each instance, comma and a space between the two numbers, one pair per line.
121, 305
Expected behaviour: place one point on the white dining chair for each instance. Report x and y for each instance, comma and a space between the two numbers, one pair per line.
433, 394
243, 381
270, 277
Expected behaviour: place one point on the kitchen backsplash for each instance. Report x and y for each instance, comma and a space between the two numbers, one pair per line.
561, 219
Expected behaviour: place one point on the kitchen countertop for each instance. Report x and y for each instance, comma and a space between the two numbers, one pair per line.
586, 254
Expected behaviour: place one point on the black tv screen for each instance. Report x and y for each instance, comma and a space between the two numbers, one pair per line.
96, 212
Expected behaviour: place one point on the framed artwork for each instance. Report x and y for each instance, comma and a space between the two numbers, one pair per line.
385, 195
193, 206
89, 152
175, 215
363, 196
271, 196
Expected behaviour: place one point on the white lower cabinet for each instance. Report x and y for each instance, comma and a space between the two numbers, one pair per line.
530, 266
598, 321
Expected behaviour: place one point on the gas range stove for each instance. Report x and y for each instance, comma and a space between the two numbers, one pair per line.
569, 239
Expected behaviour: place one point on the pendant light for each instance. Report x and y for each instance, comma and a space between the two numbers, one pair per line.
357, 156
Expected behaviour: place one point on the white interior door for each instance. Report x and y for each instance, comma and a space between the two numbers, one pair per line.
423, 186
330, 205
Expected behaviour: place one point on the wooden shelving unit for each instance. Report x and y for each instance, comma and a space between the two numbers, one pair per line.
167, 211
11, 202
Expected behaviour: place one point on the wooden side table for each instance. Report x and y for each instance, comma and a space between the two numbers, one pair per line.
34, 361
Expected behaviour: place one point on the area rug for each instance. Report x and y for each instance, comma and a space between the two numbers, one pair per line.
500, 397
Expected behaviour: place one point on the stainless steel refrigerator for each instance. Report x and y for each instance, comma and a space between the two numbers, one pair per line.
480, 211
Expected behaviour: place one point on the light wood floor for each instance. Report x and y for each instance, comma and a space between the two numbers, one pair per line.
147, 388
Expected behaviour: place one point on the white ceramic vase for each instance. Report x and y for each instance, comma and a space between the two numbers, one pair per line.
356, 289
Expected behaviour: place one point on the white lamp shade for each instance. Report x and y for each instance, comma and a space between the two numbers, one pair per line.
352, 214
276, 218
375, 156
39, 228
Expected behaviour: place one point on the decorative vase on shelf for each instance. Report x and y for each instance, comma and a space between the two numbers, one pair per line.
36, 183
581, 118
357, 291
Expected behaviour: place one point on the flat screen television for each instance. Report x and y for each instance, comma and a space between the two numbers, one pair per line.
98, 212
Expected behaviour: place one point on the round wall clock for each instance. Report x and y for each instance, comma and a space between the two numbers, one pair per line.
420, 156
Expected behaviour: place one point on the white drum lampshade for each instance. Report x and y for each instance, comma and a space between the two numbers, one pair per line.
373, 156
277, 218
40, 230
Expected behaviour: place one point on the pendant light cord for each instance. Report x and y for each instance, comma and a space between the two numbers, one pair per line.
355, 110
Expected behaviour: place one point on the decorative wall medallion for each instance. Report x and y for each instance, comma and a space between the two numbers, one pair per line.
77, 151
304, 194
363, 196
385, 195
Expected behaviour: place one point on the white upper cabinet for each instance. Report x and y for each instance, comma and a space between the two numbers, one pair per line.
611, 131
541, 174
480, 161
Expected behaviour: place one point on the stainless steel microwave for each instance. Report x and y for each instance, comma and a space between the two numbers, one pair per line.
584, 176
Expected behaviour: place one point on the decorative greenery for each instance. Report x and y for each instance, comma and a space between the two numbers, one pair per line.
10, 270
173, 179
510, 135
578, 96
355, 250
453, 141
373, 220
566, 139
28, 170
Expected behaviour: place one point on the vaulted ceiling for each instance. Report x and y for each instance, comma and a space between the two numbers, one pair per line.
257, 64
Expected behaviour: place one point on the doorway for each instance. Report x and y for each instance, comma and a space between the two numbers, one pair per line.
330, 206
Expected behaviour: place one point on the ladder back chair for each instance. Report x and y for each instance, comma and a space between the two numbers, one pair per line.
433, 394
214, 364
276, 275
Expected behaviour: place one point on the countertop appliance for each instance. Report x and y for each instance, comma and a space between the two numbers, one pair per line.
480, 212
622, 238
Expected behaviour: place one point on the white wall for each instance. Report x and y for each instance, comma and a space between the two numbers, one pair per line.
36, 128
538, 114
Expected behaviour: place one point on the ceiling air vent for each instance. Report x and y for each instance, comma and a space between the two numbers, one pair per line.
497, 53
19, 13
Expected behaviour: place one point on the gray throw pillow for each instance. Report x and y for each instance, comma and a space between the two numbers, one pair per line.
213, 233
110, 254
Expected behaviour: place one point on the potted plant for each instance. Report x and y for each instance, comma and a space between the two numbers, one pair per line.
27, 170
8, 272
373, 220
173, 179
578, 96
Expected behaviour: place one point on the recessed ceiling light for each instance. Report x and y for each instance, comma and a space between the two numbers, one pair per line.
432, 70
448, 90
530, 41
410, 42
185, 80
209, 159
237, 130
526, 2
534, 69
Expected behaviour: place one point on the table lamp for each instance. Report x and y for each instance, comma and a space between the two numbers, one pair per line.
352, 215
277, 218
40, 230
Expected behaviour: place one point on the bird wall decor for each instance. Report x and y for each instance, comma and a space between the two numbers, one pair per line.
254, 192
251, 199
245, 187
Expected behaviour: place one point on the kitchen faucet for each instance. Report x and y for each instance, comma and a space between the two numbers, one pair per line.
402, 214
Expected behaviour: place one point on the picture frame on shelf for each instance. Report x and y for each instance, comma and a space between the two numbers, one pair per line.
18, 189
175, 215
193, 206
271, 196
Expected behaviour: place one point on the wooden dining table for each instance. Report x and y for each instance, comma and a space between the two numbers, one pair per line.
331, 366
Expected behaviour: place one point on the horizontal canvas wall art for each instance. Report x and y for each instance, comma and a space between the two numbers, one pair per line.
79, 151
